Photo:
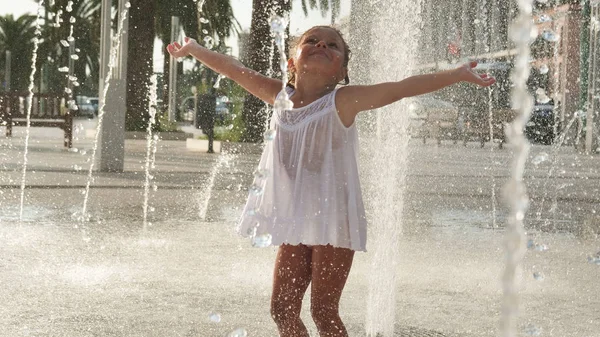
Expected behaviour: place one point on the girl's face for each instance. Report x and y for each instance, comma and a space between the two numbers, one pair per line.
321, 50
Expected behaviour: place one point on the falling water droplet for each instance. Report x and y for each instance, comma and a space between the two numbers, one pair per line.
224, 99
214, 317
208, 42
532, 330
540, 158
262, 241
270, 135
70, 6
261, 174
128, 4
550, 36
72, 19
256, 189
230, 127
75, 57
218, 81
544, 18
204, 31
64, 43
594, 259
544, 69
278, 24
70, 39
203, 20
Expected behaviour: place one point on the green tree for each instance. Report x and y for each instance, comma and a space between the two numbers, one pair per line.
17, 36
216, 20
254, 112
220, 21
324, 6
139, 62
81, 20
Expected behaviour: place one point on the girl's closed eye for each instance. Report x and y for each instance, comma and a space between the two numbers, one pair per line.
333, 45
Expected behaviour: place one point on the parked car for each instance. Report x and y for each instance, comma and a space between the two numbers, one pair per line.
540, 128
95, 102
86, 108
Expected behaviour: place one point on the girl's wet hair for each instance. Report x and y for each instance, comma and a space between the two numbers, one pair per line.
296, 41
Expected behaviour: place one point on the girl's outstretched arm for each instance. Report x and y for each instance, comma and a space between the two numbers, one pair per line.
255, 83
353, 99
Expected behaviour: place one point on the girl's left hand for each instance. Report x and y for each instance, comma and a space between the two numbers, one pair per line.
177, 50
468, 74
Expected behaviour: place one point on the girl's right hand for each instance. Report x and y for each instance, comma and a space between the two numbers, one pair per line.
177, 50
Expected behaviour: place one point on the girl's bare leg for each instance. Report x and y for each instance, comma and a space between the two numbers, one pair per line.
330, 269
291, 278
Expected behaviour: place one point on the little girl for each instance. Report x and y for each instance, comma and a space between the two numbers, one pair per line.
311, 203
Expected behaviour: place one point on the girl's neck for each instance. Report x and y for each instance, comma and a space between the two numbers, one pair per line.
310, 88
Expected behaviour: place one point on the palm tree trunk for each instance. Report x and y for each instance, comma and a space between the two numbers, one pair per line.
139, 63
254, 113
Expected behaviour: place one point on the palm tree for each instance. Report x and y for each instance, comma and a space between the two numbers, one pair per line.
216, 19
254, 113
86, 32
141, 35
323, 5
139, 62
16, 36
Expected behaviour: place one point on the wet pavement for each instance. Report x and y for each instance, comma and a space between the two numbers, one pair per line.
109, 277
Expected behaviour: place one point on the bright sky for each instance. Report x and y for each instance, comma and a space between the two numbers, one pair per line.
242, 10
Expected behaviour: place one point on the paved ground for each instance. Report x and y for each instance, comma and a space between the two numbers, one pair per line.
111, 278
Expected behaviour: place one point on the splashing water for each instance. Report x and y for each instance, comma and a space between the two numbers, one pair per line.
386, 189
36, 43
217, 84
282, 103
204, 197
150, 145
214, 317
278, 27
515, 191
199, 4
554, 154
116, 42
489, 27
238, 333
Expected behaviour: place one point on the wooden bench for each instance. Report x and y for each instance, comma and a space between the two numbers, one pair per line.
48, 110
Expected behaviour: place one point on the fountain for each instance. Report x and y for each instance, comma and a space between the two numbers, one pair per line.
435, 254
36, 42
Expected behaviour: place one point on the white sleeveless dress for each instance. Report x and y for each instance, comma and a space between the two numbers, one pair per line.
310, 193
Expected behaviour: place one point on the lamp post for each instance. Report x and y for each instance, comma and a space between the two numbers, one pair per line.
195, 118
593, 50
175, 29
8, 70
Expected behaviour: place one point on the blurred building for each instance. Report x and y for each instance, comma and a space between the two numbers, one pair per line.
458, 30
